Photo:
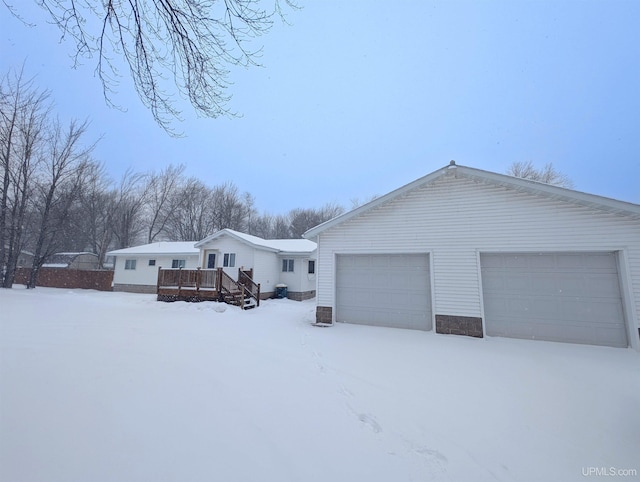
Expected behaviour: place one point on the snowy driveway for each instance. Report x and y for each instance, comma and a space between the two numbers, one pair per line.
117, 387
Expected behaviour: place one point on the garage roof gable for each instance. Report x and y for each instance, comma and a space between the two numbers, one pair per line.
523, 185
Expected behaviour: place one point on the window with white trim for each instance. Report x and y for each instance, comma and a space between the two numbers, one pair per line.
178, 263
130, 264
229, 260
152, 262
287, 266
312, 266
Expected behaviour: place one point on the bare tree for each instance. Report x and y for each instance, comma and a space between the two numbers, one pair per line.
191, 219
228, 209
548, 174
304, 219
357, 202
281, 227
262, 226
95, 210
126, 212
23, 116
192, 42
162, 199
64, 164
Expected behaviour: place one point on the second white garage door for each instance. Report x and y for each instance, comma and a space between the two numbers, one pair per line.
384, 290
570, 297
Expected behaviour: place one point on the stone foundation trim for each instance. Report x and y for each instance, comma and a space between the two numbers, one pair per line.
324, 314
301, 295
129, 288
459, 325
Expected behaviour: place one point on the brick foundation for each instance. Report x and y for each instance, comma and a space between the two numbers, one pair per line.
459, 325
301, 295
152, 289
324, 314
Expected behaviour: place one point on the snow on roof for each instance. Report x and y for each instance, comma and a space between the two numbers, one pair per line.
64, 259
74, 253
293, 246
287, 245
162, 247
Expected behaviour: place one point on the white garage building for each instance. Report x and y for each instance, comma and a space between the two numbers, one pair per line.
478, 253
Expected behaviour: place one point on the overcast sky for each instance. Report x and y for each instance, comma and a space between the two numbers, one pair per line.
357, 98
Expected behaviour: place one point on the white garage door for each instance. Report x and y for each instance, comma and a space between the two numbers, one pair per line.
570, 297
384, 290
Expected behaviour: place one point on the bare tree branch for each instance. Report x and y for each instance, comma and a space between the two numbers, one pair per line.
548, 174
188, 44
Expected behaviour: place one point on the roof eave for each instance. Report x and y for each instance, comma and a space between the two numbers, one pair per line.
315, 231
593, 201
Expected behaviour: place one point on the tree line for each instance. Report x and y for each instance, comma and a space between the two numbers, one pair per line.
55, 197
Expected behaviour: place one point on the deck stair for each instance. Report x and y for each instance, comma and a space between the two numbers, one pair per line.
208, 285
243, 293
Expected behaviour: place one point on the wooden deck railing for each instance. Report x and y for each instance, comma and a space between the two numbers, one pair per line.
188, 278
252, 288
200, 284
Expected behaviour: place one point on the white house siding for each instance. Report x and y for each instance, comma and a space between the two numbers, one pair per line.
266, 265
300, 284
456, 219
145, 274
308, 282
266, 271
227, 244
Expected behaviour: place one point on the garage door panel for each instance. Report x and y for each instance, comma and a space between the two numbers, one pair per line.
572, 297
384, 290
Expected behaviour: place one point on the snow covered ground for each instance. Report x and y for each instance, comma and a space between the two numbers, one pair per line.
118, 387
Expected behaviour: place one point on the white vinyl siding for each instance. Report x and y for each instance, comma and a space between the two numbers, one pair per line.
455, 219
266, 264
146, 274
266, 270
226, 245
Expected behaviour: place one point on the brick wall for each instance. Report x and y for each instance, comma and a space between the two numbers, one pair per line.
135, 288
324, 314
68, 278
459, 325
301, 295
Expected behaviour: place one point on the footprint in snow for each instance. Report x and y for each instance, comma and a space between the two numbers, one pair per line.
370, 421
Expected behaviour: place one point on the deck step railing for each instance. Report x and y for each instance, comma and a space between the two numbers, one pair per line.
192, 283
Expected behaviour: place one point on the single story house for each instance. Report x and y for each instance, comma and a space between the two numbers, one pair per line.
82, 261
485, 254
272, 262
136, 268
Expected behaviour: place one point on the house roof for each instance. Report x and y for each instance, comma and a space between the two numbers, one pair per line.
63, 260
162, 247
280, 246
523, 185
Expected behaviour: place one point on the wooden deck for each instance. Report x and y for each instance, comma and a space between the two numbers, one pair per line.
196, 285
173, 293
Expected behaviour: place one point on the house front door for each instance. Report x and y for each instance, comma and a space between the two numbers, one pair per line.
211, 260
